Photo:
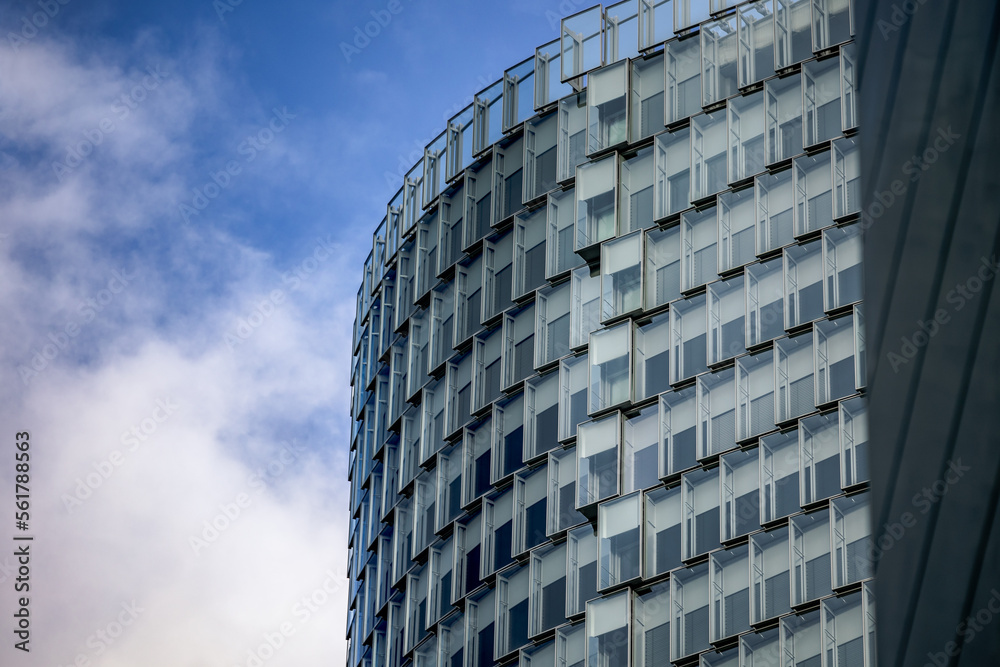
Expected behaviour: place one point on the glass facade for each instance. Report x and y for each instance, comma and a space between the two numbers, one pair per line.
608, 376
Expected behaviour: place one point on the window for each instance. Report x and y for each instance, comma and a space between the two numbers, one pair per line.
477, 457
842, 250
460, 142
512, 611
821, 93
498, 258
647, 97
449, 486
508, 179
498, 533
831, 23
442, 333
810, 556
740, 493
405, 278
793, 377
548, 588
607, 623
636, 192
459, 378
651, 357
480, 634
779, 475
854, 442
540, 156
774, 210
529, 509
451, 228
487, 117
402, 537
688, 338
581, 568
859, 346
585, 310
610, 367
552, 316
416, 608
656, 22
572, 142
662, 531
689, 601
730, 579
518, 94
700, 530
621, 276
451, 641
783, 120
726, 308
562, 491
819, 455
678, 417
441, 563
716, 412
792, 40
427, 239
729, 657
756, 42
651, 625
621, 32
803, 283
390, 484
682, 64
813, 193
755, 394
719, 41
699, 234
663, 266
508, 438
672, 181
689, 12
853, 547
747, 152
519, 346
468, 299
560, 241
640, 462
598, 445
769, 574
478, 205
468, 556
410, 429
595, 204
486, 364
846, 177
607, 107
833, 342
573, 382
618, 523
800, 637
582, 42
868, 601
571, 645
432, 417
765, 302
412, 202
709, 171
541, 415
529, 252
548, 75
418, 352
849, 82
844, 631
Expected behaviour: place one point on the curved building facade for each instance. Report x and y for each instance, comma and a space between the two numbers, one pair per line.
608, 381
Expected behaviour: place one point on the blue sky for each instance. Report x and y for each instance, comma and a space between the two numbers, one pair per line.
187, 195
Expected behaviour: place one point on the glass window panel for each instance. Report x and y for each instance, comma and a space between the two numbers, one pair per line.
651, 357
405, 279
451, 642
530, 510
529, 252
689, 602
402, 541
595, 202
662, 531
468, 299
833, 342
621, 276
747, 152
656, 22
640, 460
541, 415
548, 588
678, 430
468, 557
783, 119
459, 153
607, 624
548, 75
511, 612
819, 455
518, 94
498, 532
853, 547
621, 31
726, 315
582, 42
562, 491
651, 626
813, 193
498, 278
477, 461
849, 86
689, 12
672, 180
413, 198
540, 150
779, 475
449, 485
792, 34
480, 629
709, 170
730, 580
682, 67
699, 236
508, 179
843, 630
663, 266
647, 97
441, 564
800, 639
810, 556
519, 346
598, 445
831, 23
769, 575
740, 494
488, 117
756, 42
854, 442
688, 327
581, 568
859, 346
479, 205
610, 367
573, 381
508, 438
607, 107
760, 649
803, 283
571, 645
821, 94
846, 177
572, 142
716, 412
416, 608
765, 302
487, 365
560, 240
700, 531
451, 229
585, 308
442, 333
432, 412
719, 42
868, 600
793, 377
552, 323
459, 378
842, 248
635, 193
755, 394
774, 210
618, 523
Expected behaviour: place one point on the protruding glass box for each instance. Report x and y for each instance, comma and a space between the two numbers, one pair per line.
793, 377
621, 31
582, 42
663, 266
783, 125
688, 326
747, 149
442, 560
459, 379
779, 475
480, 630
640, 457
769, 574
581, 569
651, 625
726, 318
610, 354
819, 454
679, 430
518, 94
608, 621
821, 100
498, 532
672, 181
716, 412
442, 332
810, 556
468, 299
596, 204
800, 638
607, 107
647, 97
843, 630
690, 607
813, 192
849, 86
560, 239
477, 459
755, 394
540, 150
688, 13
552, 320
854, 442
765, 302
635, 193
656, 22
562, 491
846, 177
803, 283
460, 143
651, 357
699, 237
730, 578
585, 306
709, 166
487, 117
756, 42
792, 34
774, 211
834, 345
682, 65
415, 629
662, 531
719, 54
618, 525
511, 612
740, 472
548, 588
468, 556
598, 454
449, 485
529, 252
498, 276
508, 438
832, 23
519, 346
843, 252
530, 511
487, 365
572, 141
621, 276
541, 415
700, 531
573, 381
549, 87
853, 547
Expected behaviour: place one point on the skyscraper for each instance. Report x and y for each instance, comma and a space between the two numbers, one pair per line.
609, 358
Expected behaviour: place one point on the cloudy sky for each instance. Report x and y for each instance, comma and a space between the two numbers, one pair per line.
187, 194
